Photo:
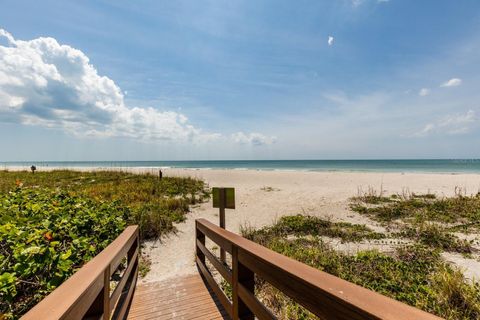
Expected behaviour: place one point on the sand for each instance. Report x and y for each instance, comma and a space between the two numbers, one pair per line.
263, 196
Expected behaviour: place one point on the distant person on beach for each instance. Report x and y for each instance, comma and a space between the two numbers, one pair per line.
33, 168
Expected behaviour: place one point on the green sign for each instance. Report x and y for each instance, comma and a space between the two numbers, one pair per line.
229, 197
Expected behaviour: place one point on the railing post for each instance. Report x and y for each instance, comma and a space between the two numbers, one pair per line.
132, 250
222, 198
245, 277
100, 307
201, 237
106, 293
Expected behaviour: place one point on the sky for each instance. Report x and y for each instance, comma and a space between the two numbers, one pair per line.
191, 80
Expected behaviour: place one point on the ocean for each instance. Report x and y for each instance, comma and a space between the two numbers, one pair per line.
439, 166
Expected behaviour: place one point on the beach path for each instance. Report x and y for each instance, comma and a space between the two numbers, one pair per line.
264, 196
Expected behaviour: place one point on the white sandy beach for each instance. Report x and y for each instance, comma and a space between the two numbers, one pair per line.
263, 196
316, 193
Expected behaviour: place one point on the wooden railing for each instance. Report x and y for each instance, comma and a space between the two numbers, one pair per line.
87, 294
324, 295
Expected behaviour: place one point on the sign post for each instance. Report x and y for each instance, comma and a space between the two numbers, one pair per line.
223, 198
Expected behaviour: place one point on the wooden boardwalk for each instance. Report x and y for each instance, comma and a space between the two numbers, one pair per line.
88, 295
180, 298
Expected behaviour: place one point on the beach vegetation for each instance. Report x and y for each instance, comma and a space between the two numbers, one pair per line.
460, 210
427, 219
371, 196
52, 223
414, 274
155, 205
308, 226
45, 235
435, 236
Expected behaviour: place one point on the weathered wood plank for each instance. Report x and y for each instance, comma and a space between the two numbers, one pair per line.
187, 297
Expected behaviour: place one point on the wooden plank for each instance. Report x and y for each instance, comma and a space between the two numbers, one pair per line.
160, 306
166, 295
216, 289
173, 309
187, 297
197, 292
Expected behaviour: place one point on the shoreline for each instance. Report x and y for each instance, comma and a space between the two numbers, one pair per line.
149, 169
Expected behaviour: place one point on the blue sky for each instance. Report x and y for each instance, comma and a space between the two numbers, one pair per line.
153, 80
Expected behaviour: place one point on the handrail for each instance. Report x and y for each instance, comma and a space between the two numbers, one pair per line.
324, 295
86, 294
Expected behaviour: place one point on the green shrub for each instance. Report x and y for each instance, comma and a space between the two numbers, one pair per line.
155, 204
45, 235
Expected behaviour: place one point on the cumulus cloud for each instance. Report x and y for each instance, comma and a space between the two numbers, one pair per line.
451, 124
424, 92
330, 40
256, 139
454, 82
44, 83
47, 84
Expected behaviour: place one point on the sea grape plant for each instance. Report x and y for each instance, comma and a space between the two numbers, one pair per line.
45, 236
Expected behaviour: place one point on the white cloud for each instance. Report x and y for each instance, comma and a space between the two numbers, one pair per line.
330, 40
424, 92
47, 84
44, 83
7, 35
454, 82
356, 3
254, 138
426, 130
451, 124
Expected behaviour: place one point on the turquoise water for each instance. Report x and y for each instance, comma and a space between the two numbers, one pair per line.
444, 166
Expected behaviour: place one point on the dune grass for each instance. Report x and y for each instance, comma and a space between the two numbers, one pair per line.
413, 274
435, 236
302, 225
462, 211
425, 218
